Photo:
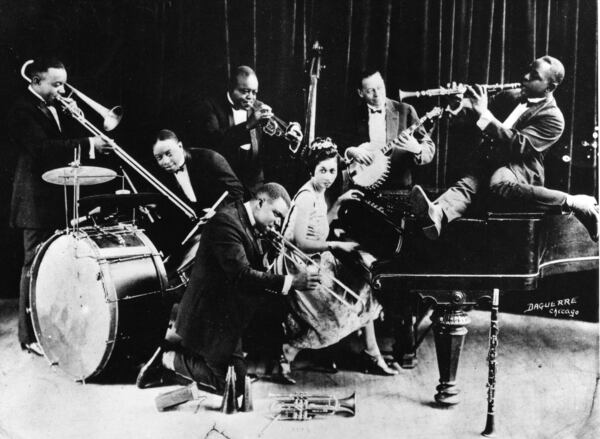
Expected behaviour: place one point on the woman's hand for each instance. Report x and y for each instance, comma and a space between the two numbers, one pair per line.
352, 194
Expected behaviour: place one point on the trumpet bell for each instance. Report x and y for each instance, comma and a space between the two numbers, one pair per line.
347, 405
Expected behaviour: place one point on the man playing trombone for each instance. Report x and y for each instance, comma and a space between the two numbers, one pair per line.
229, 284
44, 139
510, 159
232, 125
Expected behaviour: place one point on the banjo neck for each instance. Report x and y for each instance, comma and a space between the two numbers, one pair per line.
435, 112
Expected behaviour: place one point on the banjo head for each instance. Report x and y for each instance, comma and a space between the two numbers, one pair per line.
371, 176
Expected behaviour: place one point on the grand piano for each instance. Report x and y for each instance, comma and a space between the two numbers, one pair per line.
511, 252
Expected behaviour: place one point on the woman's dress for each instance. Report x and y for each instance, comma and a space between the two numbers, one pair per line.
318, 319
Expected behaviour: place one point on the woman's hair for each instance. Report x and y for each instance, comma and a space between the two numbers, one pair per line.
322, 148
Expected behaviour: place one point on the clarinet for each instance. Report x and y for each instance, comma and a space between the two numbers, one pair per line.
488, 431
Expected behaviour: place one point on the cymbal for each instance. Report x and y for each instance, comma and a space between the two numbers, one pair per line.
86, 175
120, 201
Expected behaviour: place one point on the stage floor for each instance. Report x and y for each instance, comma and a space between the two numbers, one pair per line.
546, 382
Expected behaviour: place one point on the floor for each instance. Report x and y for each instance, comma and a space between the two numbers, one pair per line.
546, 384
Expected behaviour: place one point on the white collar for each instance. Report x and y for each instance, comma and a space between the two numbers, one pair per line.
382, 109
248, 208
535, 100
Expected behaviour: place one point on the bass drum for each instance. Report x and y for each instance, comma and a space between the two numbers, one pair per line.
97, 299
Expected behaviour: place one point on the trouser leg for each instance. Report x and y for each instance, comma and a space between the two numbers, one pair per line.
31, 239
210, 375
457, 199
512, 193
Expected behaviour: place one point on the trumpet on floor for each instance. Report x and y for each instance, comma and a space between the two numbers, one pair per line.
459, 89
303, 407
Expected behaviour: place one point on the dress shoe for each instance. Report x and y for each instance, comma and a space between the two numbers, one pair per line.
428, 214
375, 365
585, 209
33, 348
284, 371
152, 373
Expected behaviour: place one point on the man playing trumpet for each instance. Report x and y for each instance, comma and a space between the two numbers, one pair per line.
510, 159
232, 125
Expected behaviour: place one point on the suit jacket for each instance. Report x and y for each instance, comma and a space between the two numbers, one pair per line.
40, 146
210, 176
522, 148
211, 125
226, 287
398, 117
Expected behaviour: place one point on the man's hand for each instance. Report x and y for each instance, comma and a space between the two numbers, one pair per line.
293, 133
345, 246
478, 98
360, 155
306, 281
407, 142
101, 145
260, 116
71, 105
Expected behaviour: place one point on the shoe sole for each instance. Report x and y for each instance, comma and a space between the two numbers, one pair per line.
422, 210
146, 366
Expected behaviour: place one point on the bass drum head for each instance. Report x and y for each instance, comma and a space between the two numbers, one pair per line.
72, 319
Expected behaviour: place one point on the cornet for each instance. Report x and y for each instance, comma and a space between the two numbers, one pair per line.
461, 88
276, 127
303, 407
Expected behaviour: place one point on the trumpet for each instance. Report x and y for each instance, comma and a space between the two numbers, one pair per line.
303, 407
295, 255
276, 127
461, 88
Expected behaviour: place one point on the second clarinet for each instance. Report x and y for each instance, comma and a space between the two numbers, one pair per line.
459, 89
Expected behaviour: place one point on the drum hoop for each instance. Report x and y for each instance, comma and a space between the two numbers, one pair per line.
113, 308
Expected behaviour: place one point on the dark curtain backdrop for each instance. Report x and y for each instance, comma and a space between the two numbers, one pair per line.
150, 56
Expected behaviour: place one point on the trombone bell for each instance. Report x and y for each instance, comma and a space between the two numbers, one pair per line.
111, 117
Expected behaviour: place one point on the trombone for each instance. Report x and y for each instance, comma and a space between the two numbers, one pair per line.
459, 89
281, 243
111, 119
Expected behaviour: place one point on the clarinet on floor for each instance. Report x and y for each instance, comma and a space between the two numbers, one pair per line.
488, 431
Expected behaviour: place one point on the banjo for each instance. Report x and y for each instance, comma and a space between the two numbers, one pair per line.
374, 175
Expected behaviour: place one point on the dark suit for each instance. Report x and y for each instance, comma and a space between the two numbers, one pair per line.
210, 124
398, 117
210, 176
510, 161
37, 207
226, 288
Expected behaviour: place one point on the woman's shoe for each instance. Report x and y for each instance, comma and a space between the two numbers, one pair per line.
284, 371
375, 365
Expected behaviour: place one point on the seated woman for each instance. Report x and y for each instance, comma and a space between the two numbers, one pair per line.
317, 318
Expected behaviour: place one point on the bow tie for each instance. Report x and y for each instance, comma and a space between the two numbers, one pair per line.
180, 169
373, 110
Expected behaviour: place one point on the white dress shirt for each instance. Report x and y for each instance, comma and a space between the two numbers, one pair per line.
183, 179
377, 129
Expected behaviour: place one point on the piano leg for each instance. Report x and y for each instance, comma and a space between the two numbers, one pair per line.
450, 329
